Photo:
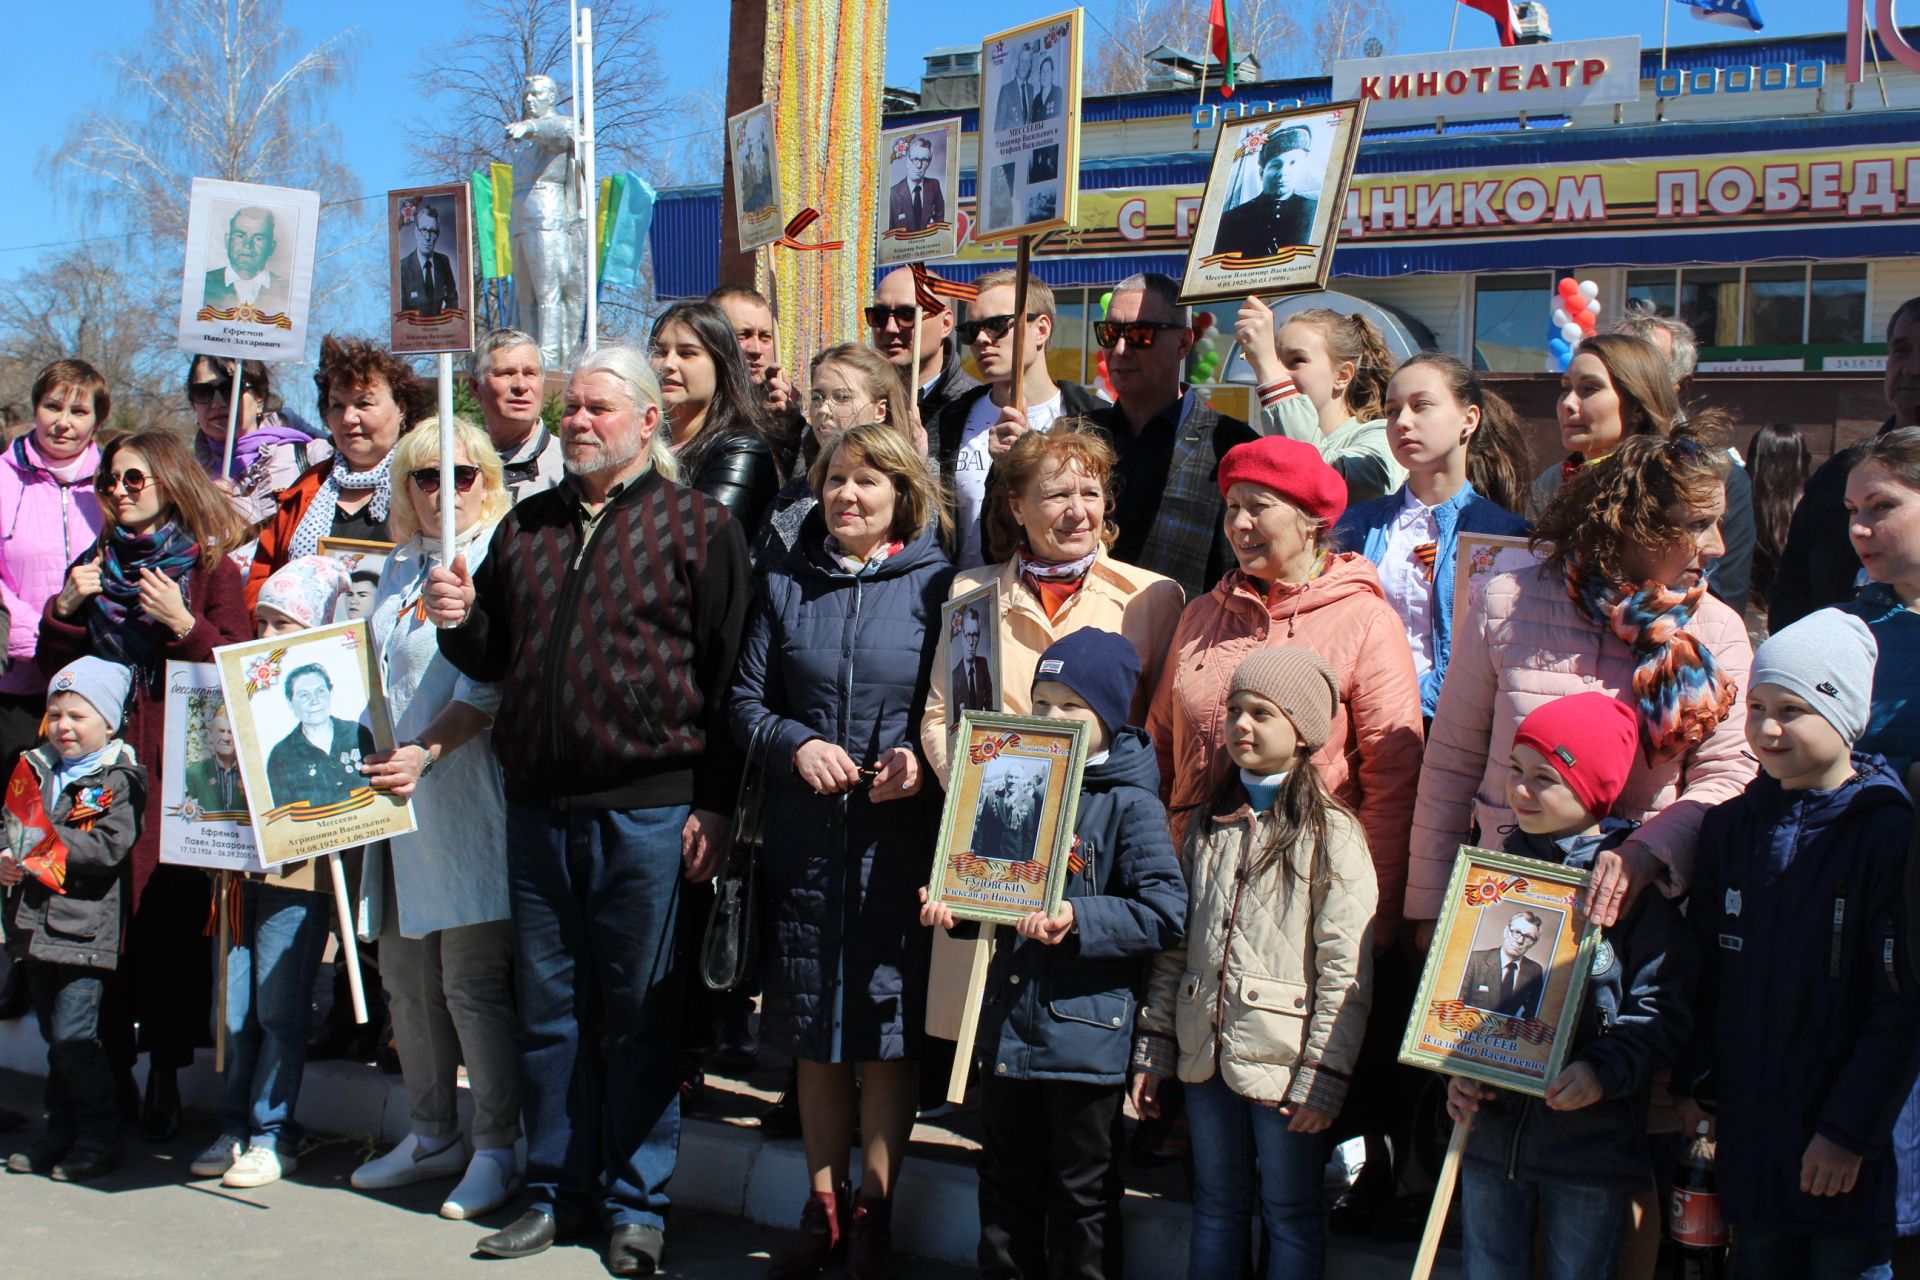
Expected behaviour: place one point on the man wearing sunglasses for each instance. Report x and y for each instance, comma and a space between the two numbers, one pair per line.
934, 371
1169, 441
509, 381
981, 425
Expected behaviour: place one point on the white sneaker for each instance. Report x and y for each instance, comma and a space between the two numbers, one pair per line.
258, 1166
218, 1158
484, 1189
408, 1163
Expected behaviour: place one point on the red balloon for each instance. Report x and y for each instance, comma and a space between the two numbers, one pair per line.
1585, 322
1202, 321
1569, 288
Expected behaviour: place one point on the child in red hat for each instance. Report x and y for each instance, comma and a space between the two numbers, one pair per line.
1576, 1157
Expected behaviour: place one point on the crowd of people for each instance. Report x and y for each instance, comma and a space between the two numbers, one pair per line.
1292, 725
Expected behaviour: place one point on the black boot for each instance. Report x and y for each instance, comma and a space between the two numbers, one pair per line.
89, 1160
160, 1113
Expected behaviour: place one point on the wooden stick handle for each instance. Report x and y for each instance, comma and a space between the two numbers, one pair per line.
1021, 258
348, 942
970, 1014
223, 887
1442, 1202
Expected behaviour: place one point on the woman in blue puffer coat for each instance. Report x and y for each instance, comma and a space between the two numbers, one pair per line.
834, 674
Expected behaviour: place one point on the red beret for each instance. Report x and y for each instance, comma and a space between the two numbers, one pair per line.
1292, 468
1591, 740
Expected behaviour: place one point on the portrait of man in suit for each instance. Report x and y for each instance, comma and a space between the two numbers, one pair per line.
245, 286
1281, 215
972, 684
1501, 979
1013, 105
1046, 92
427, 284
916, 201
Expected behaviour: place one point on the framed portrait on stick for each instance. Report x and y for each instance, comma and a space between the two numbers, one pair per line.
1029, 129
249, 270
756, 177
1270, 215
920, 216
307, 709
364, 560
430, 269
972, 624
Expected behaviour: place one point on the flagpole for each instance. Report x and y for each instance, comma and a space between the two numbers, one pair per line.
1666, 14
1455, 27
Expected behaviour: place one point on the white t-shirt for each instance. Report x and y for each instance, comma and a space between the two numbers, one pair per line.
1404, 579
971, 464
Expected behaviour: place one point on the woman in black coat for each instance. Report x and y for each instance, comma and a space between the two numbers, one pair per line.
719, 432
834, 671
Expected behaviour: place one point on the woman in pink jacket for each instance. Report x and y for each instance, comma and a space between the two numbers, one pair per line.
1282, 503
1620, 606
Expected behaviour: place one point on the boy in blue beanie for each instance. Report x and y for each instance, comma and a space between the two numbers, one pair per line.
1806, 1042
72, 814
1056, 1019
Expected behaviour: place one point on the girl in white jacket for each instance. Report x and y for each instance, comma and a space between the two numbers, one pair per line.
1262, 1010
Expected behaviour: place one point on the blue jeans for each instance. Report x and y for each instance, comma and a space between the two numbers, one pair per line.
1585, 1227
595, 894
81, 1101
1763, 1255
270, 974
1229, 1133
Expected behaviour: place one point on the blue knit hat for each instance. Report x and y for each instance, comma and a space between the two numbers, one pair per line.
1098, 665
103, 684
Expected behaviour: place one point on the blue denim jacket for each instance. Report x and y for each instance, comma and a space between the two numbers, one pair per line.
1364, 528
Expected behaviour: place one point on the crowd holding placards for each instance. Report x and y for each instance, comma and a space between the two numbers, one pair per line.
1292, 724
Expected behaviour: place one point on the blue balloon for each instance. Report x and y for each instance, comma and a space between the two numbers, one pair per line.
1559, 346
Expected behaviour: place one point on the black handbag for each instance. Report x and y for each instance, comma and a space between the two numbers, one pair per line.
728, 951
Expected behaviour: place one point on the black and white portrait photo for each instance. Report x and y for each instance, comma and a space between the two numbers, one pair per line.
1006, 821
430, 262
318, 761
1029, 149
921, 164
756, 176
1504, 974
972, 624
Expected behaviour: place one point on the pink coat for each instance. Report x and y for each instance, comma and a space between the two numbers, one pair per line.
45, 523
1372, 755
1525, 645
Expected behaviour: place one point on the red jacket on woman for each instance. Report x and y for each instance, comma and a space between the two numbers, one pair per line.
275, 536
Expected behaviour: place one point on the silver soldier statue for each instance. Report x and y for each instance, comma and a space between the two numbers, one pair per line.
548, 227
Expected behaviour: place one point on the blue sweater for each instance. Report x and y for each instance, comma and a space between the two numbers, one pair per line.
1364, 528
1808, 1019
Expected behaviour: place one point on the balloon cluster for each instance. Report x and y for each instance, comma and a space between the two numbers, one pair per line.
1204, 360
1576, 310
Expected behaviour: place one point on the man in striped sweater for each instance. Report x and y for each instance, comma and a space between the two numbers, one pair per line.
609, 609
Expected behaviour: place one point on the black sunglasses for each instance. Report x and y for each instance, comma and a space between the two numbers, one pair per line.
996, 326
1138, 333
877, 316
208, 392
134, 479
428, 478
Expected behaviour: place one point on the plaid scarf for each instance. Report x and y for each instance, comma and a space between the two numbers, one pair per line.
116, 627
1681, 692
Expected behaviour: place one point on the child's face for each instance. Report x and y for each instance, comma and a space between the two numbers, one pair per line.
1260, 738
1055, 701
73, 727
1796, 745
1542, 802
271, 622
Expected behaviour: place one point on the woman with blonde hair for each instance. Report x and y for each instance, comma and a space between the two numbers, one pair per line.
437, 900
827, 696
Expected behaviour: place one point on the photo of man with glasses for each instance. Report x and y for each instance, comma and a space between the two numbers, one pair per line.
917, 202
1501, 979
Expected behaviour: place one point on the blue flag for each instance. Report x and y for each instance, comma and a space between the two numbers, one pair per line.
1744, 14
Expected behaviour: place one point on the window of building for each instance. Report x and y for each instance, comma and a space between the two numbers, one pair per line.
1510, 316
1767, 306
1655, 289
1776, 306
1837, 303
1710, 302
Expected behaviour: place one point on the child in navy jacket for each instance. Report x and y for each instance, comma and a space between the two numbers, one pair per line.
1056, 1022
1808, 1040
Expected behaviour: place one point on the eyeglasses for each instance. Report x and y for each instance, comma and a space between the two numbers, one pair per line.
1523, 935
132, 478
428, 478
878, 316
996, 326
1138, 333
208, 392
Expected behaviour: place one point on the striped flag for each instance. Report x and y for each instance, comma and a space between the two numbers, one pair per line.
1743, 15
1220, 44
929, 288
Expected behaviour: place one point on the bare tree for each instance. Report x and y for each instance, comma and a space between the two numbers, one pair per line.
1269, 29
86, 304
477, 84
1341, 30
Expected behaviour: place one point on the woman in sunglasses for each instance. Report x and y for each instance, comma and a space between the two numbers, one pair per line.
369, 399
269, 449
156, 585
437, 900
719, 429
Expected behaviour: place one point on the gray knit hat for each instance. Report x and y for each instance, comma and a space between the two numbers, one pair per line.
1298, 681
1827, 660
103, 684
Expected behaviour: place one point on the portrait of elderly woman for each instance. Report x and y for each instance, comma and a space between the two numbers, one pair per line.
319, 762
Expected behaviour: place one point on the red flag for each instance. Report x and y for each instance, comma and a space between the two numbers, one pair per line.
1220, 44
1499, 10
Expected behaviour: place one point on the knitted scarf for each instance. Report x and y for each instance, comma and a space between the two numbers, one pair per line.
1681, 692
117, 628
318, 520
1054, 582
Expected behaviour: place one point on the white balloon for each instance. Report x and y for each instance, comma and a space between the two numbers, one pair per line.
1593, 305
1571, 332
1560, 318
1588, 289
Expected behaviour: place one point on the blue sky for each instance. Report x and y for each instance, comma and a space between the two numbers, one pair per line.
59, 69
